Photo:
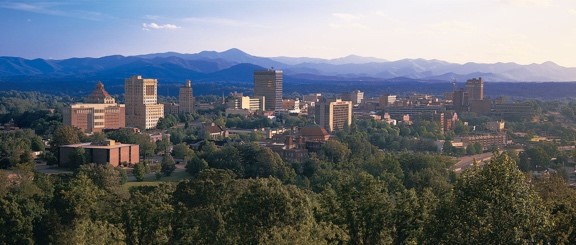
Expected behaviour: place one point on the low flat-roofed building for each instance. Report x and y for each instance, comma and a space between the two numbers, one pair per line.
107, 152
399, 111
487, 140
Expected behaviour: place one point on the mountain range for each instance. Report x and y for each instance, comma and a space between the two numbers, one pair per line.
238, 66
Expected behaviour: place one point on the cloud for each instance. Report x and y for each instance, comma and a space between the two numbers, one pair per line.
54, 9
349, 26
151, 17
527, 2
214, 21
572, 11
154, 26
348, 21
345, 16
452, 27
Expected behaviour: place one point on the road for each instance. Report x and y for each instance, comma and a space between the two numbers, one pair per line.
466, 161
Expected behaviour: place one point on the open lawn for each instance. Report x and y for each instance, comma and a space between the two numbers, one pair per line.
150, 179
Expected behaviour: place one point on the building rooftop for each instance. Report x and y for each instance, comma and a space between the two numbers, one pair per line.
108, 144
99, 95
313, 130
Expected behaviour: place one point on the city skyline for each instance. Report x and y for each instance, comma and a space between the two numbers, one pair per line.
520, 31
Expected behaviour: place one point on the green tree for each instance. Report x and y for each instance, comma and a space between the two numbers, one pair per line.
471, 149
168, 165
77, 157
104, 176
196, 165
267, 204
22, 206
202, 206
560, 201
148, 215
147, 147
361, 205
97, 137
263, 162
182, 151
496, 205
87, 214
37, 144
163, 146
139, 171
413, 216
65, 135
335, 152
124, 135
15, 147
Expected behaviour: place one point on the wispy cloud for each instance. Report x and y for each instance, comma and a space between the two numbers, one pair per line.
349, 26
527, 2
345, 16
214, 21
348, 21
155, 26
151, 17
452, 27
54, 9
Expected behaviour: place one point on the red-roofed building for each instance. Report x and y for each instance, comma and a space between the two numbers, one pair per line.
314, 133
214, 131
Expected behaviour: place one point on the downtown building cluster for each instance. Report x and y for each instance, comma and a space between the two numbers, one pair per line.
141, 109
329, 113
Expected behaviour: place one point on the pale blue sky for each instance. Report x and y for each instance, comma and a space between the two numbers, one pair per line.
486, 31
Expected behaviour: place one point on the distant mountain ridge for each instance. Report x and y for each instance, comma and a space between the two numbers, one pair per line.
236, 65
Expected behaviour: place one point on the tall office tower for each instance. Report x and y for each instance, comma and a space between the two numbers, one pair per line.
186, 98
333, 114
475, 89
460, 100
99, 111
268, 83
142, 108
357, 97
386, 100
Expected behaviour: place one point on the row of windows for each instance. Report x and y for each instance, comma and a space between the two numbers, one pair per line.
83, 111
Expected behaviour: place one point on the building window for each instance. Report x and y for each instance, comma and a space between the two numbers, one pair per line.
149, 89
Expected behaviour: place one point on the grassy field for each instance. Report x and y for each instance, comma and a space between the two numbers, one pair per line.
150, 179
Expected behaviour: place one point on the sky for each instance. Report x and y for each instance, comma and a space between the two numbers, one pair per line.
458, 31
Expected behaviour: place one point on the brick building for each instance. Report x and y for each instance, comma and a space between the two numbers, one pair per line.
107, 152
98, 112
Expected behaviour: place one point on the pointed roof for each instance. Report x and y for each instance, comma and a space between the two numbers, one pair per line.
314, 131
99, 95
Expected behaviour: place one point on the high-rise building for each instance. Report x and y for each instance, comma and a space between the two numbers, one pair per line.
460, 100
475, 89
247, 103
142, 108
386, 100
357, 97
186, 98
268, 83
333, 114
99, 111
